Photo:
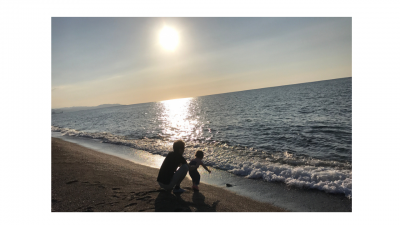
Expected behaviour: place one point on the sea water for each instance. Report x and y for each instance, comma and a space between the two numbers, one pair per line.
298, 135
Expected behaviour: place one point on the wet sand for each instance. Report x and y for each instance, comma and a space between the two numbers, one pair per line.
83, 180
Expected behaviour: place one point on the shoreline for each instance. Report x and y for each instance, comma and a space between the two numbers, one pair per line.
84, 180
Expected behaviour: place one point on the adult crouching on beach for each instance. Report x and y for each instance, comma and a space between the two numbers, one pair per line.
168, 177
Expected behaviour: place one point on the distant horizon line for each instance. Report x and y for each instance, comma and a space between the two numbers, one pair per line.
199, 96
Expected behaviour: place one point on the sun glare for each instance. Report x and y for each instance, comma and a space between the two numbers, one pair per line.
169, 38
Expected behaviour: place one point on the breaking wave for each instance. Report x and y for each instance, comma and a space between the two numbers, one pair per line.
302, 172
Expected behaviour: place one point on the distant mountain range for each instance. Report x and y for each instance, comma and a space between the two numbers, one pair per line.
80, 108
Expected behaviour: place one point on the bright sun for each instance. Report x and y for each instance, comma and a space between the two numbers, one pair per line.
169, 38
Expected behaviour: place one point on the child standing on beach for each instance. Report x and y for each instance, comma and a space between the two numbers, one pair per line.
193, 165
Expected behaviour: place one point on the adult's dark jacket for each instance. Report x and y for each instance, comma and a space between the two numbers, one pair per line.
169, 166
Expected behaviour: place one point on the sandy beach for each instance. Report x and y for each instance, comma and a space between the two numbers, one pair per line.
83, 180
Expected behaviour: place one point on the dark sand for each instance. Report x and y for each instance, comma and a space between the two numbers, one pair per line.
83, 180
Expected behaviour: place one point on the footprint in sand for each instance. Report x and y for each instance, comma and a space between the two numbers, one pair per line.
132, 204
72, 181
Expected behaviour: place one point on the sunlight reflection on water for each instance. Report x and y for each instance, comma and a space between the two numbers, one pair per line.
178, 121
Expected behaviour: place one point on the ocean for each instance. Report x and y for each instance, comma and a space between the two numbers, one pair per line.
299, 135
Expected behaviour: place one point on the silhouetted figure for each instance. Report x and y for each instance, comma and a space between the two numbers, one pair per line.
168, 177
194, 174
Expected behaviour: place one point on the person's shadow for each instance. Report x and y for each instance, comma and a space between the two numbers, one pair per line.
198, 203
167, 202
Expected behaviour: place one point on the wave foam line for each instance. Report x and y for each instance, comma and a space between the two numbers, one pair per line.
242, 163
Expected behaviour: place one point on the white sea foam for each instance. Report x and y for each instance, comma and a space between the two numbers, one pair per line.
325, 179
331, 177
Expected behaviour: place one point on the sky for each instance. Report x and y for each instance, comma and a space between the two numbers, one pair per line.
121, 61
